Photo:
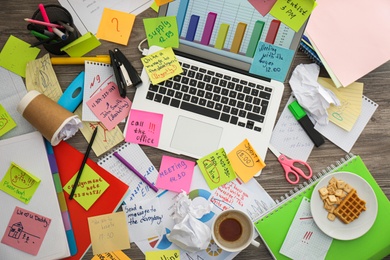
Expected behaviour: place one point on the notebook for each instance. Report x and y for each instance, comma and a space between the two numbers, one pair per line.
375, 244
306, 47
28, 151
207, 117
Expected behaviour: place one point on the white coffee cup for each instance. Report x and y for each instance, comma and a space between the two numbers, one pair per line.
233, 230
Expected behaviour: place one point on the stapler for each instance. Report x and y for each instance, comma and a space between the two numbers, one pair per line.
125, 73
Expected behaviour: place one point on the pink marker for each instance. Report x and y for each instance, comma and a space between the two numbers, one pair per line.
44, 16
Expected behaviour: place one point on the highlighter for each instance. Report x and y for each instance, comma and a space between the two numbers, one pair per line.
302, 118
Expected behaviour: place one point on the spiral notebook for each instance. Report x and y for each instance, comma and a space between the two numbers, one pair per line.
375, 244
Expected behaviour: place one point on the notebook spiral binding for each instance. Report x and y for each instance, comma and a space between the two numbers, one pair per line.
109, 155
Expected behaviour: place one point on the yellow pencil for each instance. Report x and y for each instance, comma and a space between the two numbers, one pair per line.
79, 60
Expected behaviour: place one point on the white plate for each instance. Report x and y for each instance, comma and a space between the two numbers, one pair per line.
337, 229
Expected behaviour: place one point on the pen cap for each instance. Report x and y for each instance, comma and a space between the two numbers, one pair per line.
57, 13
296, 109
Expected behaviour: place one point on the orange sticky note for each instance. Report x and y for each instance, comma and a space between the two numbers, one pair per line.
162, 2
115, 26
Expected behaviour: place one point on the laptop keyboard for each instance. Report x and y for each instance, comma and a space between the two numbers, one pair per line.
215, 95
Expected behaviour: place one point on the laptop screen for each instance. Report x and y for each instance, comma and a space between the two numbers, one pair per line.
227, 31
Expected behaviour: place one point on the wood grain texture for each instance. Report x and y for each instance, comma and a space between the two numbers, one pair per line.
373, 145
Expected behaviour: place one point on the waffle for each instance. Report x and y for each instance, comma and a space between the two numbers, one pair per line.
350, 207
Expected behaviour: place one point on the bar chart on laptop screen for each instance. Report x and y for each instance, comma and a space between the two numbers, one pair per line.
233, 26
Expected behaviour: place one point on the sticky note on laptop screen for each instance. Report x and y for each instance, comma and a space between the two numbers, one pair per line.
162, 31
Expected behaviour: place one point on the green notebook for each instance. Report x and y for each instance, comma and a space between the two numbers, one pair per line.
375, 244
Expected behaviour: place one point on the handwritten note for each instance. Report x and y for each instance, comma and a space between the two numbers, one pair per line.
6, 121
293, 13
144, 219
19, 183
16, 54
108, 232
115, 26
175, 174
271, 61
116, 255
26, 231
163, 255
90, 187
109, 106
161, 65
262, 6
144, 128
216, 168
245, 161
162, 31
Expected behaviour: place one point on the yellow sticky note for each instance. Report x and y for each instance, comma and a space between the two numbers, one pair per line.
163, 254
245, 161
161, 65
116, 255
155, 7
293, 13
162, 2
90, 187
6, 121
109, 232
115, 26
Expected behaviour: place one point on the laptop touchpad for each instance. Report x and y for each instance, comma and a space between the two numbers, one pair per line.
196, 137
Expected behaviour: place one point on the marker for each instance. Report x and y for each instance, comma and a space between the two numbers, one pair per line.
66, 26
79, 60
39, 35
60, 34
53, 25
44, 16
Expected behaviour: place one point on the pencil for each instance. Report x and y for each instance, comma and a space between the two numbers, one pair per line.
43, 23
76, 182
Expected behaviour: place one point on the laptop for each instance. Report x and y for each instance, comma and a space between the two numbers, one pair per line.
216, 103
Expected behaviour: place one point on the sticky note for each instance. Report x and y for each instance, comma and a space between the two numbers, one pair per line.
293, 13
245, 161
162, 31
6, 121
262, 6
216, 168
109, 232
271, 61
162, 2
82, 45
161, 65
175, 174
163, 254
155, 7
109, 106
19, 183
115, 255
26, 230
90, 187
143, 128
16, 54
115, 26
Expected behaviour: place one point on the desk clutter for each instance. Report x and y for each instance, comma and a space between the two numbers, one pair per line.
169, 211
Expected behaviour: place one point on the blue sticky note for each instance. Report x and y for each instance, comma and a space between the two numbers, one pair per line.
271, 61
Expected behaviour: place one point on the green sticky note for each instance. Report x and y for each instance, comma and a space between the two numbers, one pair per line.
90, 187
16, 54
216, 168
293, 13
162, 31
19, 183
82, 45
6, 121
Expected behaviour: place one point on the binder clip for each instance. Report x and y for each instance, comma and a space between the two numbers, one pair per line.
125, 73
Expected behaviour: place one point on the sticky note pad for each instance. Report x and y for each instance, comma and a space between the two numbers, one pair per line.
19, 183
162, 31
6, 121
82, 45
163, 254
115, 26
16, 54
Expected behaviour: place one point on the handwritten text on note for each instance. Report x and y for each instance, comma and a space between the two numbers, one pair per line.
6, 121
162, 31
163, 255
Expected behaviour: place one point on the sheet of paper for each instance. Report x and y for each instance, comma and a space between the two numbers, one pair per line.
116, 255
87, 14
163, 254
108, 232
289, 138
262, 6
115, 26
109, 107
245, 161
90, 187
304, 239
161, 65
15, 55
82, 45
271, 61
26, 230
143, 127
175, 174
162, 31
6, 121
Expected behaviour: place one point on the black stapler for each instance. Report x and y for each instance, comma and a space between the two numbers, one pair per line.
125, 73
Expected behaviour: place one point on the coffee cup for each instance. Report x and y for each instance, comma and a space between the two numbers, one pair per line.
233, 230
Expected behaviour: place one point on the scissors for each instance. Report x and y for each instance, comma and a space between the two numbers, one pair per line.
290, 168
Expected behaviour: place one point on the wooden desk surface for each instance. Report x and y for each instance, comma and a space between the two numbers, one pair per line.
373, 145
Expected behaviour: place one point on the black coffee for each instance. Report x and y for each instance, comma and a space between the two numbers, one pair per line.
230, 229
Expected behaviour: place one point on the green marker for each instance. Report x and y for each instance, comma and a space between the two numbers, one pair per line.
39, 35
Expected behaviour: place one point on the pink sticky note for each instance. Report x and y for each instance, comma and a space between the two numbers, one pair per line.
26, 230
175, 174
144, 128
109, 106
262, 6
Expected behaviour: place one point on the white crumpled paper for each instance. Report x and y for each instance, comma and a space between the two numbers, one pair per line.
313, 97
189, 233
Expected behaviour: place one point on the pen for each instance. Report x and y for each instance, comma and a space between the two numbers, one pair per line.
53, 25
44, 16
128, 165
79, 60
39, 35
60, 34
66, 26
76, 182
